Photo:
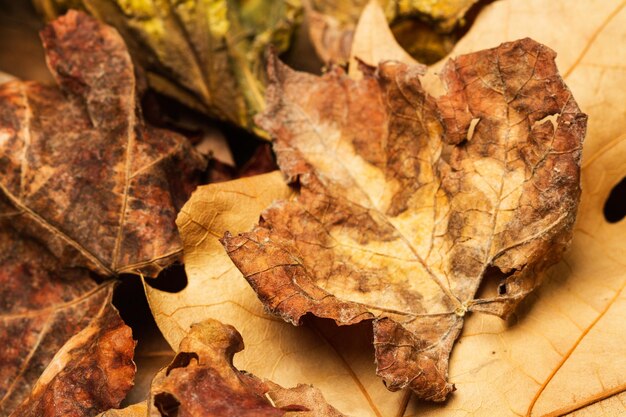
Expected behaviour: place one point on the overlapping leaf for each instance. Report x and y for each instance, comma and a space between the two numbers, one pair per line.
497, 364
406, 205
206, 54
332, 25
202, 382
80, 170
64, 349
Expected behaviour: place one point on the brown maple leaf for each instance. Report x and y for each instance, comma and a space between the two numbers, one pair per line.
80, 171
201, 381
408, 202
45, 309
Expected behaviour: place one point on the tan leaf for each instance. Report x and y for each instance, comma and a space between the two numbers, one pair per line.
42, 307
406, 205
348, 382
135, 410
201, 381
331, 24
374, 42
65, 350
79, 163
343, 367
501, 369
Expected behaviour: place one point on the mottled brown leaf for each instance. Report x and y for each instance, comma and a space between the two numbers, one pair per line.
409, 201
201, 381
206, 54
64, 350
80, 171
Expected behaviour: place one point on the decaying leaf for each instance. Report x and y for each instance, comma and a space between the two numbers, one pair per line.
565, 352
64, 349
407, 204
41, 308
206, 54
201, 381
343, 366
92, 372
497, 363
332, 25
80, 170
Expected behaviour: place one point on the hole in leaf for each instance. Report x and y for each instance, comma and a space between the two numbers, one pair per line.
172, 279
492, 284
615, 206
167, 404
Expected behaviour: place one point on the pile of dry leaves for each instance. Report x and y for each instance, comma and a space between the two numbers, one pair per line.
402, 214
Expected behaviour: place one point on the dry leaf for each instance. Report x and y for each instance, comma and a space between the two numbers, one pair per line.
65, 350
343, 367
406, 204
135, 410
92, 372
81, 172
207, 55
201, 381
42, 307
332, 24
374, 42
565, 354
343, 374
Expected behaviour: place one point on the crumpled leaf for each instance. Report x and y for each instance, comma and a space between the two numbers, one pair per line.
565, 351
487, 382
208, 54
564, 354
65, 350
81, 172
343, 367
405, 206
202, 381
332, 25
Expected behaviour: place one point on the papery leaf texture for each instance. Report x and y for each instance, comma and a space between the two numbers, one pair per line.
408, 202
80, 170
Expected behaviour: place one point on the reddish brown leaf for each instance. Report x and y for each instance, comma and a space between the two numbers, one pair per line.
201, 381
81, 170
44, 308
408, 202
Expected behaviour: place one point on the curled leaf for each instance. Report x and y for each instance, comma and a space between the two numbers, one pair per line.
408, 202
339, 365
201, 381
81, 172
206, 54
